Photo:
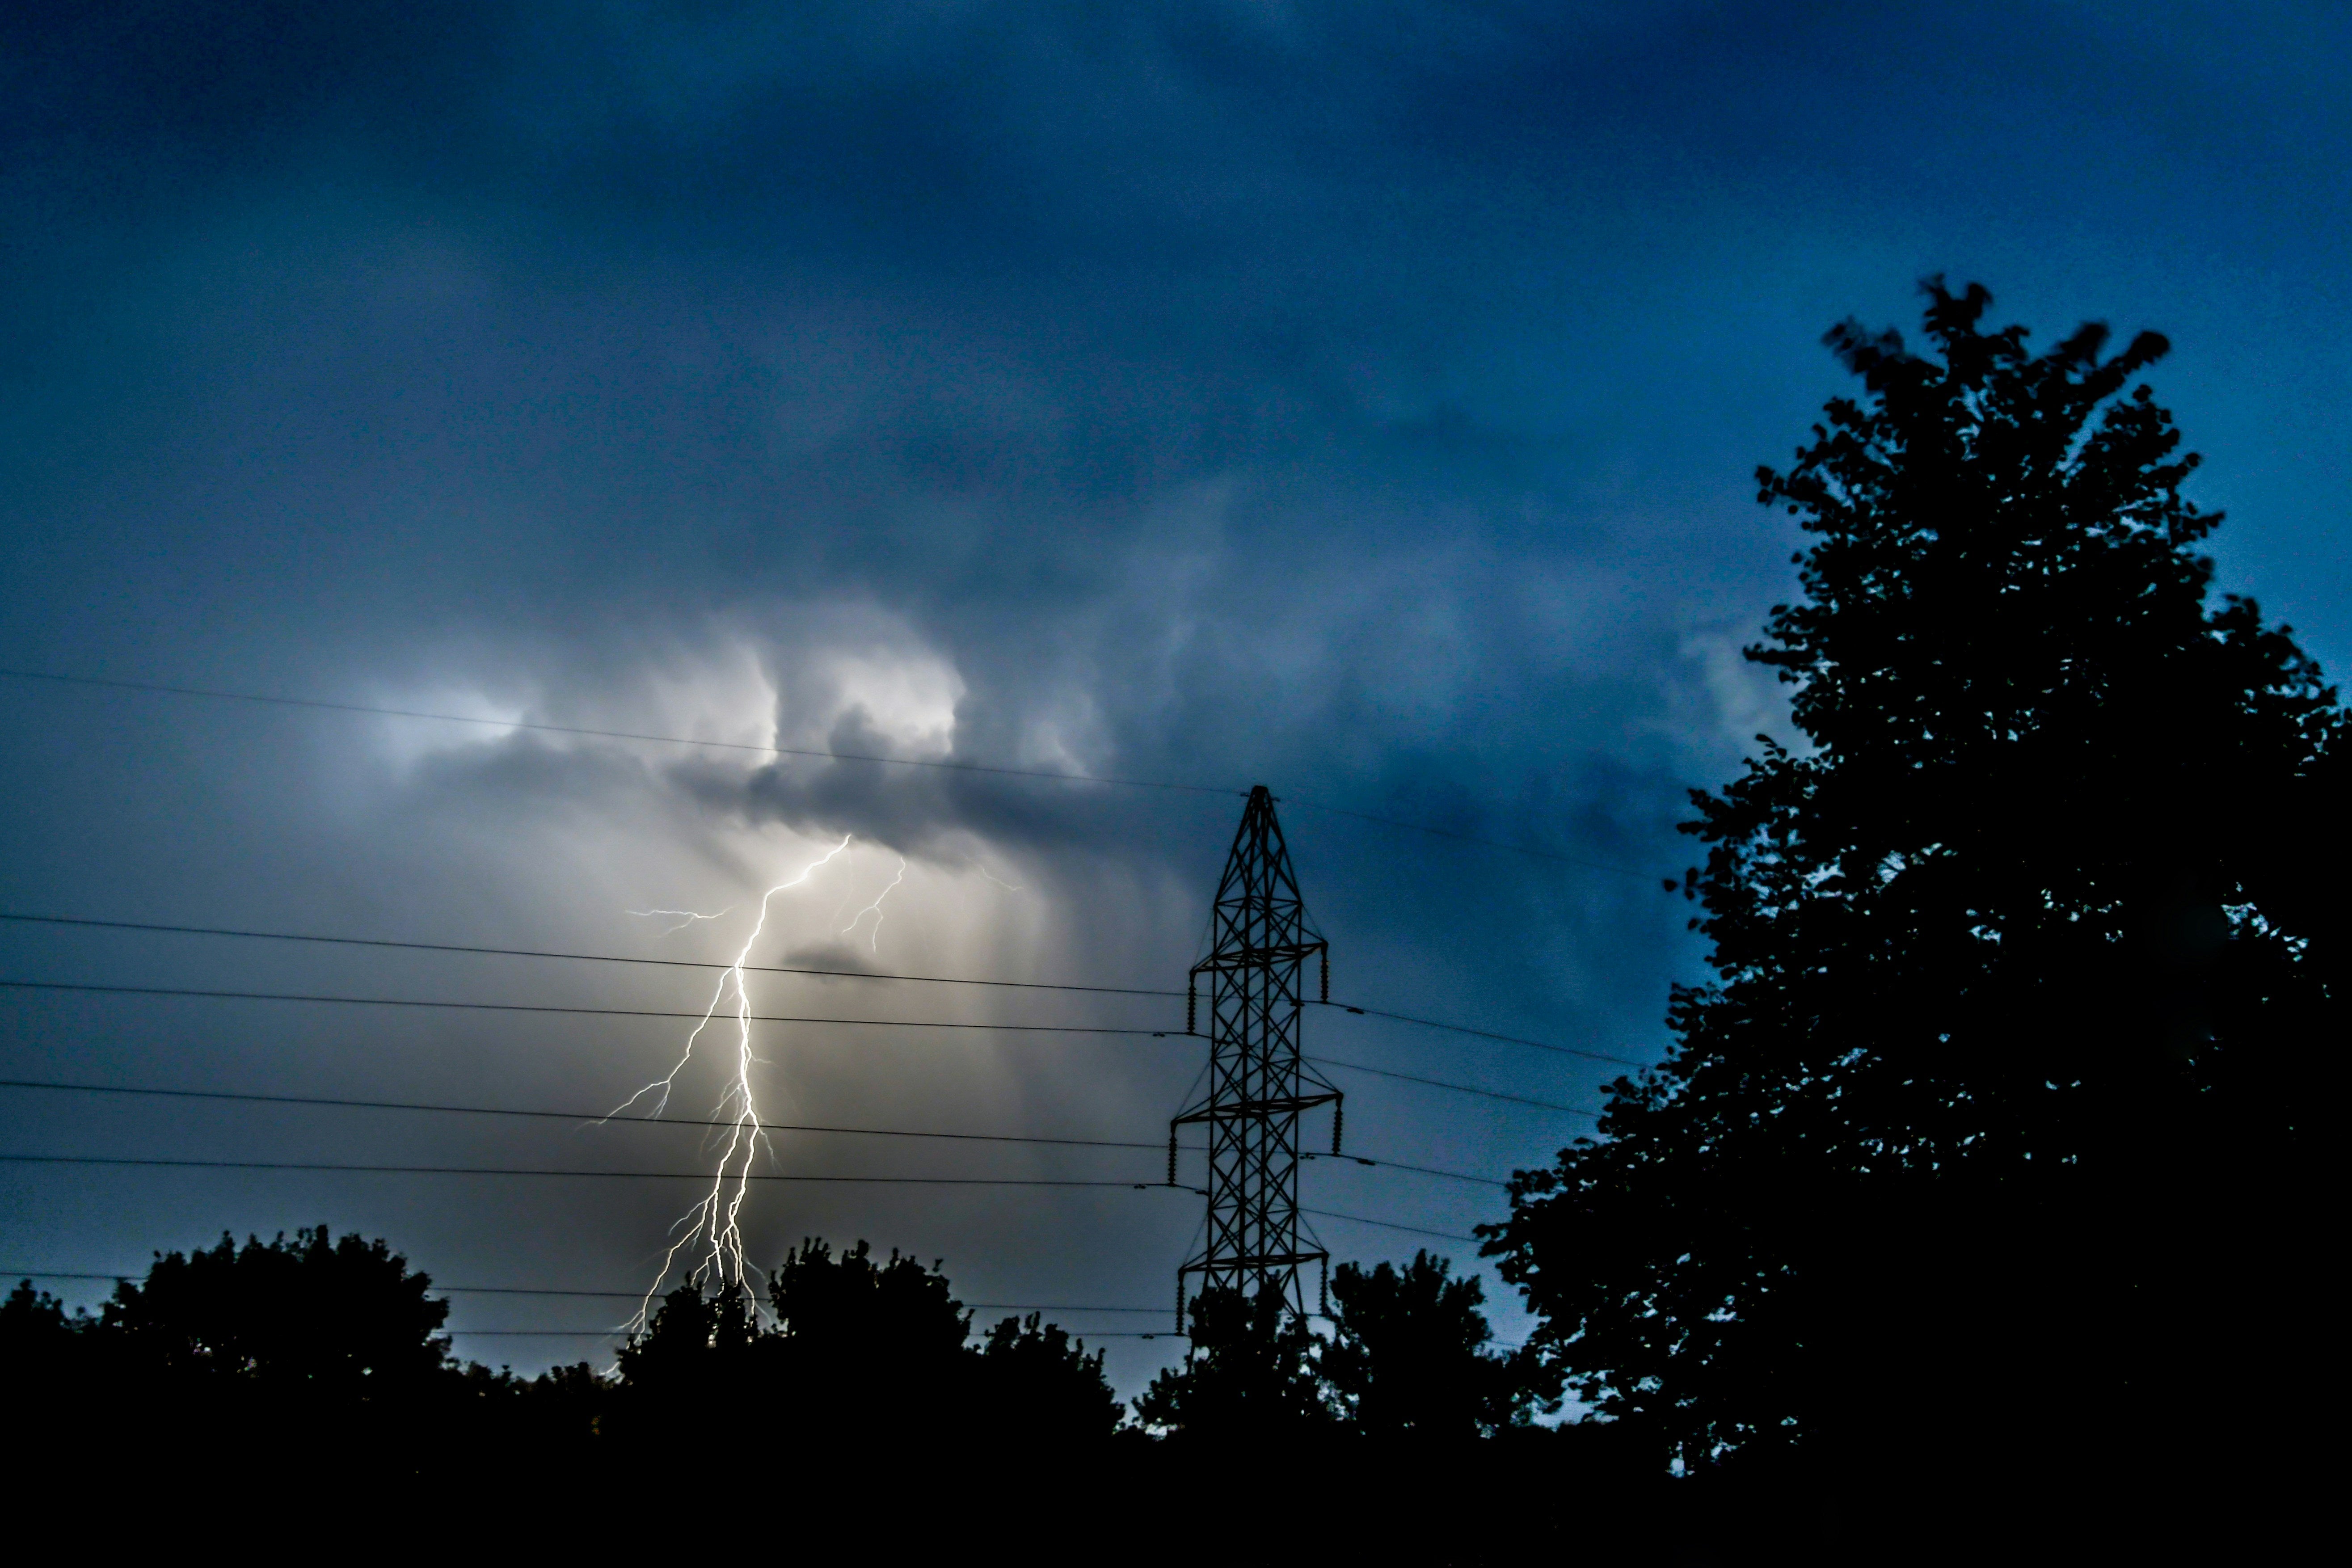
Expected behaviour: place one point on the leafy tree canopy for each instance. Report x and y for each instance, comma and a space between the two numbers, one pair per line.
1034, 1384
331, 1318
1409, 1359
1251, 1374
861, 1349
1990, 1133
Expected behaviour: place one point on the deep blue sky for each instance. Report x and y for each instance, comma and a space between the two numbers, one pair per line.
1360, 398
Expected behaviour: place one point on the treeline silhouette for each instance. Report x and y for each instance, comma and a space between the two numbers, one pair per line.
343, 1334
324, 1359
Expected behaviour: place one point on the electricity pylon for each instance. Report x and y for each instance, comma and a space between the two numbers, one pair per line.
1257, 1084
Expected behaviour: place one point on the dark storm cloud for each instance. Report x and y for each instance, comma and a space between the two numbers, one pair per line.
1357, 397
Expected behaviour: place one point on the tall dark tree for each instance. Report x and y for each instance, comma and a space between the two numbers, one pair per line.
1408, 1358
1992, 1135
1251, 1374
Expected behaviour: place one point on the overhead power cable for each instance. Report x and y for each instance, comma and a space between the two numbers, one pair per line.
606, 1119
706, 964
1081, 1334
567, 1011
756, 1018
149, 1161
574, 1118
1454, 1088
1387, 1224
573, 957
219, 694
638, 1295
601, 1176
1393, 1165
1481, 1034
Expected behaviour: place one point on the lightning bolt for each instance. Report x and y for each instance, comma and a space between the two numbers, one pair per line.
711, 1223
685, 918
998, 881
875, 909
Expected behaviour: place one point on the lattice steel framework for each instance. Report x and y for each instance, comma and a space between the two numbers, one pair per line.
1257, 1086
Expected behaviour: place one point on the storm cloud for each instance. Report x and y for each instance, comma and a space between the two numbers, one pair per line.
1360, 399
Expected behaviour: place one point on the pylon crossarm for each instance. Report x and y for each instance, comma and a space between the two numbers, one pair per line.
1251, 1109
1225, 962
1247, 1262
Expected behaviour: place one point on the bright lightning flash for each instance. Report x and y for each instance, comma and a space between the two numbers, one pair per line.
875, 909
710, 1227
684, 917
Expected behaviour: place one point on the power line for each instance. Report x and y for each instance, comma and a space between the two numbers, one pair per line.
1481, 1034
567, 1011
143, 1162
1455, 1088
572, 957
638, 1295
706, 964
1081, 1334
606, 1119
600, 1118
607, 1175
1387, 1224
756, 1018
1395, 1165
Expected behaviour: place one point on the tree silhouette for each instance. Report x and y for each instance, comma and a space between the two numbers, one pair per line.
872, 1345
861, 1351
1251, 1374
1409, 1357
332, 1321
697, 1354
1987, 1143
44, 1351
1032, 1383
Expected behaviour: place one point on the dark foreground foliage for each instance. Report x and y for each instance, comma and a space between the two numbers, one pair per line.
854, 1394
1987, 1167
858, 1351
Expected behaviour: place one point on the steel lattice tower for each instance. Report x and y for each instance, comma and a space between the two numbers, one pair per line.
1257, 1084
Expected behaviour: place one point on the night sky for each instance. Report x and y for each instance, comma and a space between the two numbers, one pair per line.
1361, 399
